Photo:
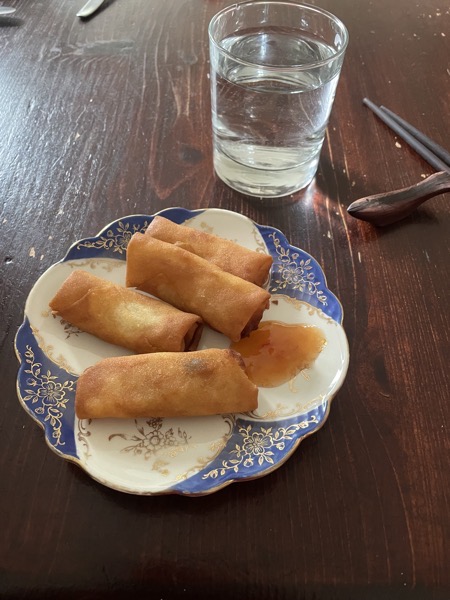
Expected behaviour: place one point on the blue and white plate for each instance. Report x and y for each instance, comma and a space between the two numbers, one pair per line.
190, 456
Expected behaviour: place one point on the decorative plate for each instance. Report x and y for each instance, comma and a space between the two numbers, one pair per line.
191, 456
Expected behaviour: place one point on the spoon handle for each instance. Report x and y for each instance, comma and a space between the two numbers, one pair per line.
389, 207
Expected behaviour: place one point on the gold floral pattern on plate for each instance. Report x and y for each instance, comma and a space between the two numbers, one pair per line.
83, 435
170, 456
258, 446
282, 410
117, 242
68, 328
151, 438
50, 351
215, 448
206, 228
311, 311
46, 395
296, 274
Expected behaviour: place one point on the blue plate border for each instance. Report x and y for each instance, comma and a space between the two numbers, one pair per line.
254, 448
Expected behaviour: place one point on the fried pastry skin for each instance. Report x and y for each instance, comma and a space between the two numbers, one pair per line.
228, 256
225, 302
125, 317
166, 384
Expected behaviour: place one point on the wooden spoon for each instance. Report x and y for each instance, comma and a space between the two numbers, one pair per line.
387, 208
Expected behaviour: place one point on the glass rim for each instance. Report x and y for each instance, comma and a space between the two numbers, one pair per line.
309, 7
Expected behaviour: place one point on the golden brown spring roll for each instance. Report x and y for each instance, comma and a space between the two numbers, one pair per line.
166, 384
225, 302
228, 256
125, 317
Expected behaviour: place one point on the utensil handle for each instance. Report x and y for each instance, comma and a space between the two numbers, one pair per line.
438, 150
422, 150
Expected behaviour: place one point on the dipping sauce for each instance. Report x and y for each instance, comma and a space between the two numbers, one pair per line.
276, 352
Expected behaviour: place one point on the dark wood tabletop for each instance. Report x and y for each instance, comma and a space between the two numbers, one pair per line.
110, 116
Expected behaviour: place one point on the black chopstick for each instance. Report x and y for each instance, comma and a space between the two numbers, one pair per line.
415, 144
426, 141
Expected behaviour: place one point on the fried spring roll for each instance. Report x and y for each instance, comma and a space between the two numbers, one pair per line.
166, 384
125, 317
225, 302
228, 256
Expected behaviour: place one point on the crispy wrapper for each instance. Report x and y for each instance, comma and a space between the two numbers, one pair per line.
228, 256
125, 317
166, 384
225, 302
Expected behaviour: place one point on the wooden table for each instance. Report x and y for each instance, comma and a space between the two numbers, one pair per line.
110, 116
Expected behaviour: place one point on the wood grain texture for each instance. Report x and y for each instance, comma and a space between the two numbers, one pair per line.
111, 116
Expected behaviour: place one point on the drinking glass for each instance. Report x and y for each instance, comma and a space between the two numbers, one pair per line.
274, 71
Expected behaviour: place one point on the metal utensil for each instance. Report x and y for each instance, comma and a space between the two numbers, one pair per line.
89, 8
7, 10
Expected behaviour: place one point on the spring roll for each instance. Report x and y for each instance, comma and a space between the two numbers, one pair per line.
225, 302
166, 384
228, 256
125, 317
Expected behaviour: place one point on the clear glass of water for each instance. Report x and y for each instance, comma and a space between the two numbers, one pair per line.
274, 71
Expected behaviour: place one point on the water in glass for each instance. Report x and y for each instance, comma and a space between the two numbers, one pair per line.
269, 122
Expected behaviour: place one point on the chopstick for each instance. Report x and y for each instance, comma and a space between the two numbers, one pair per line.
424, 139
434, 154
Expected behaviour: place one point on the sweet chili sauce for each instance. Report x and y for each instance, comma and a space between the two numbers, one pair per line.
276, 352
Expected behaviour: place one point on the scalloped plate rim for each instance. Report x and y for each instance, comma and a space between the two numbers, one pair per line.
263, 472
